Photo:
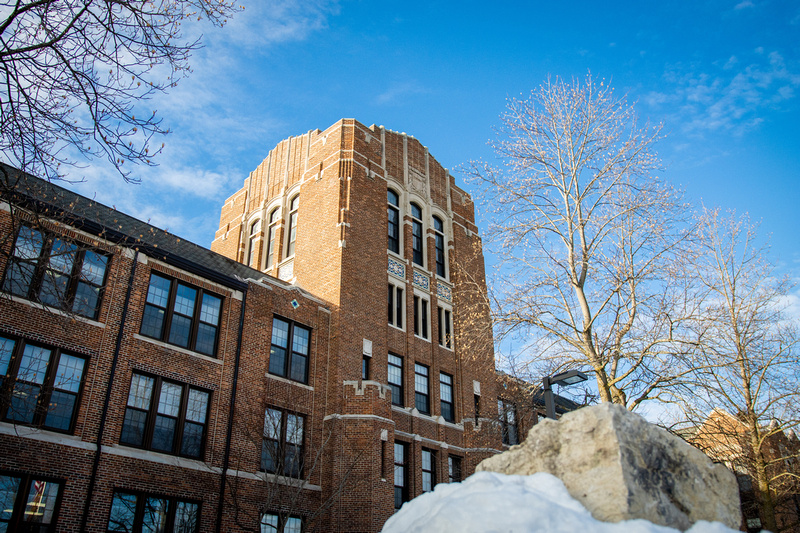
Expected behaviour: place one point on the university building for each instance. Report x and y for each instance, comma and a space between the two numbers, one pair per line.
328, 359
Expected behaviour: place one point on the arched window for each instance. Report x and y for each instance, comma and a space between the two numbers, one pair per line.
416, 234
273, 229
251, 246
438, 230
394, 221
295, 202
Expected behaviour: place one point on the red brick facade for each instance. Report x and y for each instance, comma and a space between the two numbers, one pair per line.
330, 295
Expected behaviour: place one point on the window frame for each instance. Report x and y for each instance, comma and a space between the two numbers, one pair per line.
397, 388
25, 484
396, 305
272, 233
282, 520
10, 377
401, 492
151, 415
280, 465
440, 247
255, 233
507, 423
450, 404
365, 367
291, 354
445, 327
291, 225
429, 474
39, 267
168, 317
139, 510
394, 239
422, 317
422, 399
417, 235
454, 472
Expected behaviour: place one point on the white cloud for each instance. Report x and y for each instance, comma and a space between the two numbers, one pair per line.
400, 90
744, 4
731, 98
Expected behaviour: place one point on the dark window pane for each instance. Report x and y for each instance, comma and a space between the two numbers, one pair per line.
280, 333
60, 410
277, 361
23, 403
18, 278
33, 365
155, 515
292, 462
299, 364
69, 373
6, 349
206, 339
184, 300
153, 322
192, 439
169, 401
87, 300
197, 406
269, 456
93, 268
300, 340
187, 517
158, 292
8, 495
179, 330
209, 311
163, 434
133, 427
123, 512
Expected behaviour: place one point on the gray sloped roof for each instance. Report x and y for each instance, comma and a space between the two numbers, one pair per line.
50, 200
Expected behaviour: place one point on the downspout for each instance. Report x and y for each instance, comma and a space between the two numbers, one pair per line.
117, 347
226, 458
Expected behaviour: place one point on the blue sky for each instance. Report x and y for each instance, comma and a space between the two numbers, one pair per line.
722, 75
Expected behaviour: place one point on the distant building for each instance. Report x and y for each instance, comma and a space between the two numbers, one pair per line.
724, 438
347, 367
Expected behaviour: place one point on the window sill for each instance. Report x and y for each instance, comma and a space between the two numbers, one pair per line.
178, 349
397, 256
289, 381
395, 327
449, 349
421, 338
55, 310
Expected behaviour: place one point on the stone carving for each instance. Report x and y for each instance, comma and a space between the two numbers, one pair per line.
621, 467
417, 181
444, 292
397, 268
422, 281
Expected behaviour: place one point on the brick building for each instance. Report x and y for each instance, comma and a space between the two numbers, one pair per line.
345, 368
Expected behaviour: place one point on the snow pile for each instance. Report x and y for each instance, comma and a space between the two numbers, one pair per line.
491, 502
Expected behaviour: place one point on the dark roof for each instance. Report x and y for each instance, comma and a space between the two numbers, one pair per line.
50, 200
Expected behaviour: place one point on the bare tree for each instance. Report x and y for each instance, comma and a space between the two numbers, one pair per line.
747, 367
73, 71
590, 241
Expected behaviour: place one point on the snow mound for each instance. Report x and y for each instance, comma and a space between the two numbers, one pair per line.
488, 502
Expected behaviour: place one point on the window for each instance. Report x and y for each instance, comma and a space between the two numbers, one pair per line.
273, 523
182, 315
282, 449
396, 379
43, 383
394, 220
508, 421
400, 474
29, 503
421, 395
453, 468
273, 230
165, 416
477, 399
293, 205
428, 470
396, 306
255, 227
365, 366
438, 231
136, 512
445, 323
283, 361
416, 234
420, 317
56, 273
446, 396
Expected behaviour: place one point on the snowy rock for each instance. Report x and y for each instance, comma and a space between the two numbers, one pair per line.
488, 502
621, 467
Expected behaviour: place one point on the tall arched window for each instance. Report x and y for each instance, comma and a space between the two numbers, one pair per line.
295, 202
394, 221
273, 229
438, 230
251, 246
416, 234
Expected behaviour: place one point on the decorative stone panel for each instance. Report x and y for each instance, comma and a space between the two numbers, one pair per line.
422, 281
397, 268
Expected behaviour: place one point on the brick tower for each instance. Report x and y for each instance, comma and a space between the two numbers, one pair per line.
366, 220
